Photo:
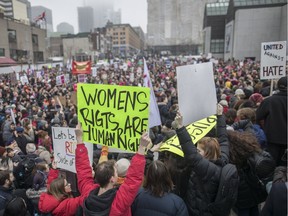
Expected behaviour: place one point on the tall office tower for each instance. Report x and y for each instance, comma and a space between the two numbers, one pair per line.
46, 21
28, 8
65, 28
175, 22
104, 12
85, 19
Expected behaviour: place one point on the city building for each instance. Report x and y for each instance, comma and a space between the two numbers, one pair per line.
104, 12
55, 46
125, 40
65, 28
46, 22
7, 8
85, 19
247, 24
17, 9
176, 26
21, 42
141, 34
102, 43
78, 47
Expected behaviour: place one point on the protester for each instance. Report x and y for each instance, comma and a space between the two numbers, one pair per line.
206, 161
156, 197
273, 111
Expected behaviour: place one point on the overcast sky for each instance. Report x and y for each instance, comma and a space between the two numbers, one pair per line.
134, 12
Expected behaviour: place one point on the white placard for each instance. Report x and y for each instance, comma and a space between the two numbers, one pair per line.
64, 145
60, 80
24, 80
196, 92
94, 71
273, 60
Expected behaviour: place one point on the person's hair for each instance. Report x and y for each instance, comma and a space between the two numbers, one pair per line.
158, 179
4, 174
104, 171
247, 104
8, 150
242, 146
210, 146
57, 189
16, 206
247, 113
230, 115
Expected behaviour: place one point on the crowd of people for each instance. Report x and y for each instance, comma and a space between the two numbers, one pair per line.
251, 119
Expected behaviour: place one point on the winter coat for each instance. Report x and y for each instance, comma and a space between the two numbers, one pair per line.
123, 197
276, 202
273, 110
167, 205
5, 196
205, 175
6, 132
48, 203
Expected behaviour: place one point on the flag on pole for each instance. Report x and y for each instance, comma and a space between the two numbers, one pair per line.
154, 115
42, 16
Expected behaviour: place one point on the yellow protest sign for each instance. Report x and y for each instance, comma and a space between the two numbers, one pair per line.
113, 115
197, 130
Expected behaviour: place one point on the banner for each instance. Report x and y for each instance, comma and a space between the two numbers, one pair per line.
196, 91
64, 146
81, 67
197, 130
24, 80
273, 60
112, 115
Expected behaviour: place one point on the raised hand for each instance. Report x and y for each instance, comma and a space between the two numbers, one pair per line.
79, 133
178, 121
219, 109
144, 142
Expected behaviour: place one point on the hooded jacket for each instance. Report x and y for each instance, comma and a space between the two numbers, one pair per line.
124, 196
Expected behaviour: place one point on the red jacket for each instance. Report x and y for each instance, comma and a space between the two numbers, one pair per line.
48, 203
126, 192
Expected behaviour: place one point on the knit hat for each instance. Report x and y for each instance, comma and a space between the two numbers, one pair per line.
223, 103
282, 84
10, 141
239, 92
122, 166
256, 98
30, 148
20, 129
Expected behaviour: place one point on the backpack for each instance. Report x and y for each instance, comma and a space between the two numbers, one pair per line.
262, 167
227, 191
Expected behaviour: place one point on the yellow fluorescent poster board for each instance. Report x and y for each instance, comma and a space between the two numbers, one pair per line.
197, 130
113, 115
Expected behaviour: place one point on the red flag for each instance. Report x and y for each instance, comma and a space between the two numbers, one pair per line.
81, 67
41, 17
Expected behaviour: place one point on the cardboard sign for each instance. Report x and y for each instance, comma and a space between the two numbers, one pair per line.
197, 130
114, 116
64, 145
196, 91
273, 60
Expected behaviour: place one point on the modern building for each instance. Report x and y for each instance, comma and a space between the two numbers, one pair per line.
104, 12
141, 34
21, 42
85, 19
65, 28
55, 48
247, 24
175, 26
46, 23
17, 9
7, 6
125, 40
102, 43
28, 8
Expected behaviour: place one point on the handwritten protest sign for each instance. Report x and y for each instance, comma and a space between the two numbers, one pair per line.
64, 145
195, 82
24, 80
113, 115
197, 130
273, 60
60, 80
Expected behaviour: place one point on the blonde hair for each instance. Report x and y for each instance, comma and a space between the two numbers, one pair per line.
57, 189
211, 147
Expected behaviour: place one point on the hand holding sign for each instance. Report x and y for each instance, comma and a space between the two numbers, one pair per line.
79, 133
178, 122
219, 109
144, 142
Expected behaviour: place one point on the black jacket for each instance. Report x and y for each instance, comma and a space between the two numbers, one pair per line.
5, 196
273, 110
168, 205
101, 204
205, 174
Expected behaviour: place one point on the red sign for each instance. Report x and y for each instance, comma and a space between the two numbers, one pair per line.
81, 67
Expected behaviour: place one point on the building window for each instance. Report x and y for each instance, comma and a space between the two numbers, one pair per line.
12, 35
2, 52
38, 57
217, 46
35, 39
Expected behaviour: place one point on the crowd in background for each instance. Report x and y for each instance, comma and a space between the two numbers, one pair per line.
250, 120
